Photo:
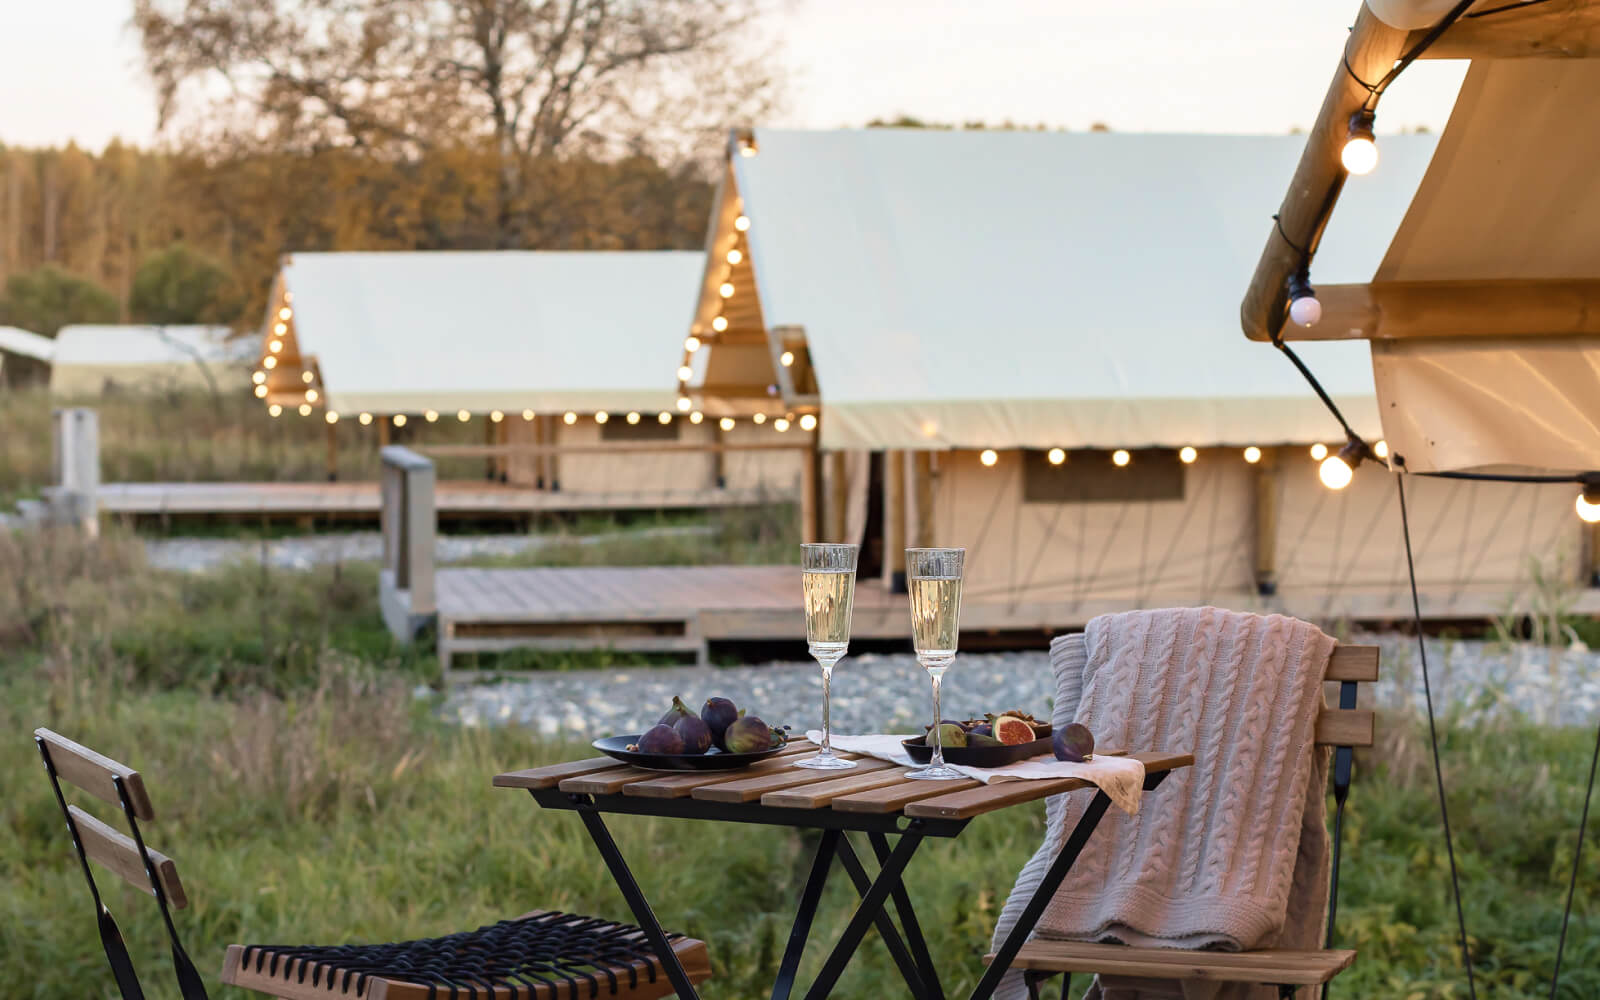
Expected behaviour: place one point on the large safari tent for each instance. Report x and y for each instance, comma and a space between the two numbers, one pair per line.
1023, 343
562, 358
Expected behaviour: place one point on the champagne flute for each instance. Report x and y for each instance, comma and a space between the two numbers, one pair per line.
828, 577
935, 584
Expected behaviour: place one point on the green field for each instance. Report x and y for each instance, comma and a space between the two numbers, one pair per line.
308, 797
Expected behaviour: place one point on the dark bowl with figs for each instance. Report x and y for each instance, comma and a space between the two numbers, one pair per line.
720, 738
1001, 740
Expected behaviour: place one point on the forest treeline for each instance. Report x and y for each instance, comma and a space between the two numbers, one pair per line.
136, 235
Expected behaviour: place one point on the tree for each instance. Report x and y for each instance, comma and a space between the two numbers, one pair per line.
528, 78
46, 299
180, 285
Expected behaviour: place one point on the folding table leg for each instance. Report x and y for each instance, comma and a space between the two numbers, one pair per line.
908, 920
809, 898
871, 905
911, 964
635, 898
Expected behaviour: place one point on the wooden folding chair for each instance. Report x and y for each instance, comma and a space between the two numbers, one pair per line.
537, 956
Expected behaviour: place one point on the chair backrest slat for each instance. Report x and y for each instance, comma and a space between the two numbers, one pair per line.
120, 854
1353, 663
1349, 727
96, 773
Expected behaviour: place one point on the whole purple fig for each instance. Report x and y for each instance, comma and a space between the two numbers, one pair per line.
696, 735
749, 734
661, 739
678, 711
1073, 743
718, 714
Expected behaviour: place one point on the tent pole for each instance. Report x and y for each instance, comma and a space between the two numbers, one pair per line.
1266, 514
922, 497
332, 434
810, 499
838, 496
894, 521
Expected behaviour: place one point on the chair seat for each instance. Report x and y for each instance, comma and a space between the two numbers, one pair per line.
1273, 966
538, 956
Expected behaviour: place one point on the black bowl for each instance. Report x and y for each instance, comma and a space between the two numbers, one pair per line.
982, 756
711, 760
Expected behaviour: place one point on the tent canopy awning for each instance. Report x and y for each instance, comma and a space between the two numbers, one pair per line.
509, 330
15, 340
112, 345
1026, 289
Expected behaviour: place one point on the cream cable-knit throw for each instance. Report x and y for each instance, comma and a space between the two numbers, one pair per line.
1231, 853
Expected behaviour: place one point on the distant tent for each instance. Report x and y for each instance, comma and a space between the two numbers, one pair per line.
92, 359
24, 357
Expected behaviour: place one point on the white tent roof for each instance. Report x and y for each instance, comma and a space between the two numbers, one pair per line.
509, 330
110, 345
14, 340
1024, 289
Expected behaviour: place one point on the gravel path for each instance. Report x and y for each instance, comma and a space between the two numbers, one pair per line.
889, 693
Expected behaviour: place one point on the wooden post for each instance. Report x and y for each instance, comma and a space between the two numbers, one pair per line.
489, 460
406, 582
838, 497
76, 455
894, 521
922, 497
810, 495
719, 471
1589, 555
384, 428
1266, 561
333, 452
554, 432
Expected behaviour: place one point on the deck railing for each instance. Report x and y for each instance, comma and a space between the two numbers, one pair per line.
409, 520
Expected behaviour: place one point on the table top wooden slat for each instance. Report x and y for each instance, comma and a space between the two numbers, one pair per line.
552, 775
750, 789
894, 798
611, 782
819, 795
970, 802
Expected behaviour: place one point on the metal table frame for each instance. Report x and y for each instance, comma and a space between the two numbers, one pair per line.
910, 952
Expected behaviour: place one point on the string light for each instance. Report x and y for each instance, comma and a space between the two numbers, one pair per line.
274, 410
719, 324
696, 417
734, 256
311, 395
988, 457
288, 296
601, 417
1187, 455
685, 373
399, 419
786, 359
1335, 473
365, 418
305, 409
742, 223
280, 328
1120, 457
569, 418
269, 363
808, 422
274, 346
1305, 309
759, 418
332, 416
1252, 454
431, 416
497, 416
684, 404
780, 425
528, 415
663, 417
1319, 451
261, 392
1588, 504
1381, 449
726, 423
633, 417
306, 377
726, 291
463, 416
1056, 456
1360, 153
258, 377
692, 344
285, 313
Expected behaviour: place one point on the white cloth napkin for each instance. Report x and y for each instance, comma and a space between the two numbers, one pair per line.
1121, 778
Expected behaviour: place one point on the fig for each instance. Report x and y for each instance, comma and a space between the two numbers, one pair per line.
718, 714
982, 740
983, 730
1073, 743
1010, 730
950, 735
661, 739
678, 711
696, 735
748, 734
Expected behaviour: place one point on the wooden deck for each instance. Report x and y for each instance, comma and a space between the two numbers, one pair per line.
362, 500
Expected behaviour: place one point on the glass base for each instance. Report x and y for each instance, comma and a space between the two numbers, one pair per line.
826, 762
931, 773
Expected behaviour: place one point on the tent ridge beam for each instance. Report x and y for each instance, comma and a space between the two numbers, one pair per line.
1410, 310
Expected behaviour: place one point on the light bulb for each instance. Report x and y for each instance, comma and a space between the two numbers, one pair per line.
734, 256
463, 416
742, 223
1360, 155
331, 416
726, 291
726, 423
988, 457
311, 395
1381, 449
365, 418
305, 409
633, 418
692, 344
759, 418
306, 377
431, 416
1187, 455
274, 346
269, 363
569, 418
663, 417
684, 404
719, 324
1306, 311
1120, 457
399, 419
696, 417
601, 417
1319, 451
1588, 509
786, 359
258, 377
685, 373
747, 148
1335, 473
1252, 454
808, 422
280, 328
1056, 456
261, 392
497, 416
285, 313
274, 410
780, 425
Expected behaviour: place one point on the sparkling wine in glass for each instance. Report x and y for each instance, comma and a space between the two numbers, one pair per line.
934, 577
828, 578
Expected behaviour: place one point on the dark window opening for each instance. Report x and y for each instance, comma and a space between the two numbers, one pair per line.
647, 429
1091, 477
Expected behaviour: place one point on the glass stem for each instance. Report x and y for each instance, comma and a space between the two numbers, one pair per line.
827, 735
938, 737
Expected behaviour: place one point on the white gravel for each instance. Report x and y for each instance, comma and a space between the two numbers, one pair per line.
890, 693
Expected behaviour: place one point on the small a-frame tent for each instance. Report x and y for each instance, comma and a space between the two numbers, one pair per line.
94, 358
24, 357
1029, 331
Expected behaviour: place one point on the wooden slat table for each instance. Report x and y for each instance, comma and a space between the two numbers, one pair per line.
874, 798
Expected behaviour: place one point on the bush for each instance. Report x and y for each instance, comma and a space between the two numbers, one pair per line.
46, 299
180, 285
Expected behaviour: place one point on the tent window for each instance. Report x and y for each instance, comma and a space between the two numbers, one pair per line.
1089, 477
647, 429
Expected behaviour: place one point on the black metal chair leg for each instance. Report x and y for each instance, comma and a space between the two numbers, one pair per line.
871, 905
909, 963
908, 920
821, 865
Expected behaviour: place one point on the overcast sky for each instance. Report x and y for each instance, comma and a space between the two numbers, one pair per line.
69, 69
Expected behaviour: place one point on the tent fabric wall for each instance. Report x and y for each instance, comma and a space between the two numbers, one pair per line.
89, 359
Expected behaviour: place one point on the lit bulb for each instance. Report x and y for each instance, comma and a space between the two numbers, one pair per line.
734, 256
747, 149
726, 291
988, 457
780, 425
808, 422
431, 416
719, 324
305, 409
306, 377
684, 404
280, 328
1187, 455
1381, 449
288, 296
1319, 451
365, 418
331, 417
258, 377
399, 419
633, 418
742, 223
1335, 473
269, 363
685, 373
726, 423
274, 410
786, 359
601, 417
663, 417
1056, 456
311, 395
569, 418
759, 418
1120, 457
1589, 510
497, 416
261, 392
463, 416
1252, 454
696, 417
285, 313
692, 344
1360, 155
275, 346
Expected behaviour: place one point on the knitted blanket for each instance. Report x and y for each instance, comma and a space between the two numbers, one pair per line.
1231, 853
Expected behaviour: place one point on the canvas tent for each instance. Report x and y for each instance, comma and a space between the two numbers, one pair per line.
995, 315
93, 358
24, 357
568, 352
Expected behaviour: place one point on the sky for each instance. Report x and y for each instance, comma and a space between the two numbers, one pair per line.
69, 69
